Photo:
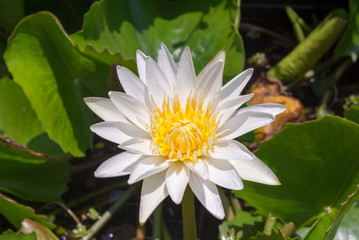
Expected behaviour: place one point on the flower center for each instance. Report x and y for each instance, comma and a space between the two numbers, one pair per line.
183, 134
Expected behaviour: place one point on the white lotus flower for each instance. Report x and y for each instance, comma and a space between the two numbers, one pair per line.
178, 128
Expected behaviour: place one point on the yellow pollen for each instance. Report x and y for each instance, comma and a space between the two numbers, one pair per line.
183, 134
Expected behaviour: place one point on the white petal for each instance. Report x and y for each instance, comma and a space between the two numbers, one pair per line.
221, 56
271, 108
223, 174
177, 177
148, 166
118, 132
115, 166
131, 84
141, 65
157, 83
199, 167
105, 109
153, 192
243, 123
227, 108
255, 170
207, 194
207, 86
168, 66
229, 149
138, 145
234, 87
131, 108
186, 77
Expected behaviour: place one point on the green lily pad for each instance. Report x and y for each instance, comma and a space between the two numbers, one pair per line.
348, 229
333, 218
10, 235
18, 120
205, 26
31, 177
246, 222
317, 164
275, 235
15, 213
352, 114
54, 76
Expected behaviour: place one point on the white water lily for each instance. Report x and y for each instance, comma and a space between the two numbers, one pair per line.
178, 128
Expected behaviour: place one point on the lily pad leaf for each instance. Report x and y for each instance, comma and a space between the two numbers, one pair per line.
348, 228
320, 229
10, 235
352, 114
15, 213
18, 120
205, 26
244, 221
31, 177
274, 235
317, 166
54, 76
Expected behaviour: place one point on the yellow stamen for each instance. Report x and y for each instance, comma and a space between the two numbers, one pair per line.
183, 134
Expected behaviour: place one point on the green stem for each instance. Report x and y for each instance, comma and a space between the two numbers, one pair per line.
237, 19
165, 233
157, 222
108, 214
189, 216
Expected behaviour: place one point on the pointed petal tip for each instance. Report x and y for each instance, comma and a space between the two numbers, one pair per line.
92, 127
239, 186
130, 180
248, 71
220, 216
219, 213
275, 182
99, 174
177, 201
163, 45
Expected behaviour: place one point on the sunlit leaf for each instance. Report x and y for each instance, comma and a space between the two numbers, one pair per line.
54, 76
317, 164
18, 120
275, 235
10, 235
15, 213
244, 221
348, 229
205, 26
328, 223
